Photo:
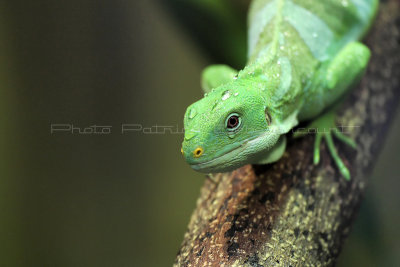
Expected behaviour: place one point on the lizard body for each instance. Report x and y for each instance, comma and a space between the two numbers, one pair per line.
303, 56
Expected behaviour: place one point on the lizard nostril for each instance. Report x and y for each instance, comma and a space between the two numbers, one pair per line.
198, 152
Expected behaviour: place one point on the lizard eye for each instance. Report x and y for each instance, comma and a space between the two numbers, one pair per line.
233, 122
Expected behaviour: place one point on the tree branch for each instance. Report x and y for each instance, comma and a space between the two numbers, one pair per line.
293, 213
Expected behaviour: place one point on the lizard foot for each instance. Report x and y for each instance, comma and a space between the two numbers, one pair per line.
324, 127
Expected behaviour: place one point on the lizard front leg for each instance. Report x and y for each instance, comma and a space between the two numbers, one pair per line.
344, 71
216, 75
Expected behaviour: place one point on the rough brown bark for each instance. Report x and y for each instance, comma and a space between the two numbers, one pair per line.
293, 213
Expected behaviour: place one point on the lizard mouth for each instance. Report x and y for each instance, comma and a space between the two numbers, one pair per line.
226, 161
246, 152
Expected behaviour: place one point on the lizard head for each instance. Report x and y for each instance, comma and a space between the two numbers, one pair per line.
227, 128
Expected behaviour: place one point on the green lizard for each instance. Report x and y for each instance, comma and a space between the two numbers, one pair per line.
303, 57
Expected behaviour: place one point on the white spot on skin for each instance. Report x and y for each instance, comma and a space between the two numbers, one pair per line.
226, 95
236, 94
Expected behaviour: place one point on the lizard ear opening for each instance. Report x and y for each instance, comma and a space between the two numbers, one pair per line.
267, 117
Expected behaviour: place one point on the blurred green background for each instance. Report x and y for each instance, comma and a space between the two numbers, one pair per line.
124, 199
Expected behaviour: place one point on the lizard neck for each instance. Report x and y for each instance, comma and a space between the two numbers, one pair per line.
277, 82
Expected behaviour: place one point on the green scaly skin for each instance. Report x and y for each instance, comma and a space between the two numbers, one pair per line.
304, 56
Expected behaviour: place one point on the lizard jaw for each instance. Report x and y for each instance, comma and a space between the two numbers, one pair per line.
221, 163
237, 157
